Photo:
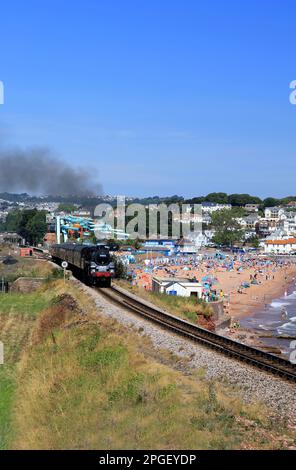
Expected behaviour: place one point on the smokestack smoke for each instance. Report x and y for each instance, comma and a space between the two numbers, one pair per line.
37, 172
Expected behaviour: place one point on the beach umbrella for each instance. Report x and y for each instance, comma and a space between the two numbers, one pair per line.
206, 278
209, 278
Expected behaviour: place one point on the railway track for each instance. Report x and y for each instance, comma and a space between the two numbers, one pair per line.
241, 352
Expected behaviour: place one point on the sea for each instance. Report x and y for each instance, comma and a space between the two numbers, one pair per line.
270, 320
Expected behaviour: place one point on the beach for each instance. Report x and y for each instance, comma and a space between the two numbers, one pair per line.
274, 324
248, 284
264, 279
256, 296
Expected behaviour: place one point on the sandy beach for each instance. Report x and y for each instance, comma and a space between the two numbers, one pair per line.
256, 296
272, 277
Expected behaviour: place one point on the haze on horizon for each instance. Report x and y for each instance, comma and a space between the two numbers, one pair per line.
154, 98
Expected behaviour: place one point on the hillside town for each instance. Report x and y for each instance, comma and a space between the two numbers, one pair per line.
273, 229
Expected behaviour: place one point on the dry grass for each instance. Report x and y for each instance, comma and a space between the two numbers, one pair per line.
188, 308
18, 313
27, 267
91, 388
73, 379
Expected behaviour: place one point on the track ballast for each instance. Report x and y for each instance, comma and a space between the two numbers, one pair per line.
242, 352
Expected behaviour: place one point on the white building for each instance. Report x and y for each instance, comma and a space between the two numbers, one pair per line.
206, 218
200, 239
186, 247
278, 234
274, 213
177, 286
288, 222
211, 207
252, 207
284, 246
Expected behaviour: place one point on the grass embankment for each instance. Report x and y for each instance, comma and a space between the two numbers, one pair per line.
7, 388
18, 314
23, 267
73, 379
188, 308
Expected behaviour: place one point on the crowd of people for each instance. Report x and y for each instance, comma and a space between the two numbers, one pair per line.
215, 265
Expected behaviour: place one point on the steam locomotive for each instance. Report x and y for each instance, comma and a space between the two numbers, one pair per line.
92, 264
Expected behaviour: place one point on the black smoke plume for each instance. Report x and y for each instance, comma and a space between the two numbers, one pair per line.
38, 172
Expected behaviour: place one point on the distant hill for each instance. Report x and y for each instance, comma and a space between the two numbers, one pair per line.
92, 201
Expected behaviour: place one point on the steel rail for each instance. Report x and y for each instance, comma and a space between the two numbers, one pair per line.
242, 352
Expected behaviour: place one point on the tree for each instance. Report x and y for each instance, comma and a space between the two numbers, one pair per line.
66, 207
35, 228
195, 200
23, 230
254, 242
29, 224
271, 202
11, 223
227, 228
173, 199
243, 199
120, 268
288, 199
219, 198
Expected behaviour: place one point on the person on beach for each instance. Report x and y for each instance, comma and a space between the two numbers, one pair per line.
284, 313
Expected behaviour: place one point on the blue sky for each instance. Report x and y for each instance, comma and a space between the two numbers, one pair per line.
158, 97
